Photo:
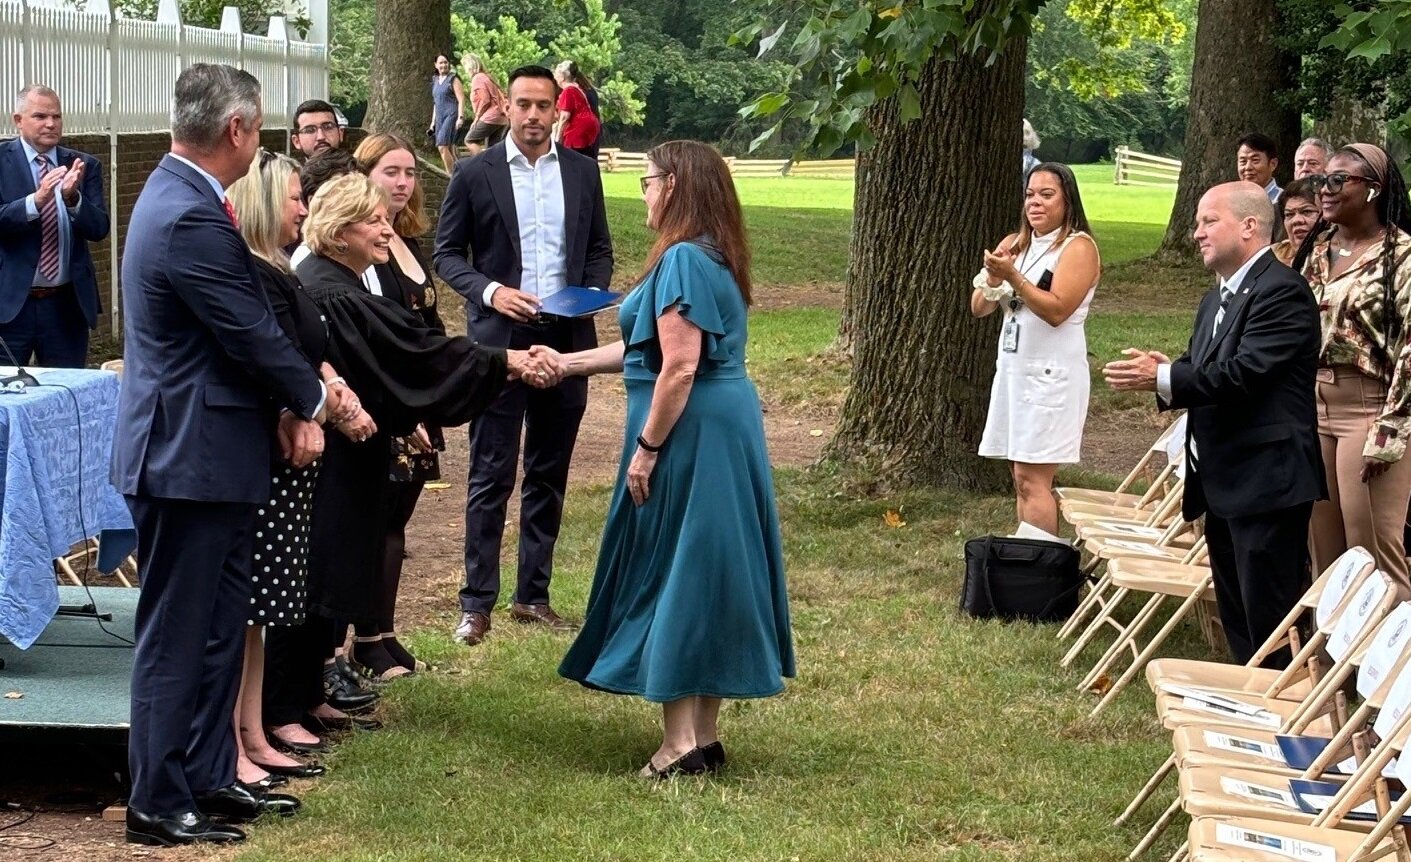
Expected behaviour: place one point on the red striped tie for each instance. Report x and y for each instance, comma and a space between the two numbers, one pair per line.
48, 229
230, 212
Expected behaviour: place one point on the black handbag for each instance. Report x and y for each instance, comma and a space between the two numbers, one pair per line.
1029, 579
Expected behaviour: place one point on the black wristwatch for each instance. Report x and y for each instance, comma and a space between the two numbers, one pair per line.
642, 441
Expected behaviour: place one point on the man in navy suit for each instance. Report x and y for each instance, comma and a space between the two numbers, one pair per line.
51, 208
209, 379
519, 222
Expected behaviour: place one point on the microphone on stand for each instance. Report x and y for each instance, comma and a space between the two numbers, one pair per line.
22, 377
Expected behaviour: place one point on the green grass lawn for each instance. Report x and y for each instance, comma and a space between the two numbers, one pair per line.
911, 733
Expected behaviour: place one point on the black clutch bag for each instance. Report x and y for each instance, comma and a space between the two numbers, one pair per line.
1027, 579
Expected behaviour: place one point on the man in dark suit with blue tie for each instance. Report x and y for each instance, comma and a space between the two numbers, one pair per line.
519, 222
209, 379
1254, 466
51, 208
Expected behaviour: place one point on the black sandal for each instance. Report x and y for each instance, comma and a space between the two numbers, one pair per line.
690, 763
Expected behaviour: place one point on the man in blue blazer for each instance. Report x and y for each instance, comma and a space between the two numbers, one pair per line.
209, 379
51, 208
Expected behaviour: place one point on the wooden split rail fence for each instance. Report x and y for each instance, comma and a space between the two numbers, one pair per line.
1139, 169
611, 160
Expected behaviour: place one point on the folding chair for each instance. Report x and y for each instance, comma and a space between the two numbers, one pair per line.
1162, 446
1327, 599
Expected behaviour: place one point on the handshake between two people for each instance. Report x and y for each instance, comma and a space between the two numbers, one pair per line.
539, 366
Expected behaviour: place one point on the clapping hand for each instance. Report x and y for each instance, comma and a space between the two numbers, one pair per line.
1136, 373
49, 185
1000, 265
73, 180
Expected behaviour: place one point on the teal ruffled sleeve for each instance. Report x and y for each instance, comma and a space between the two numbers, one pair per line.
687, 278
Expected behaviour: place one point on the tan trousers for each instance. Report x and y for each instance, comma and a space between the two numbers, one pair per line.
1371, 514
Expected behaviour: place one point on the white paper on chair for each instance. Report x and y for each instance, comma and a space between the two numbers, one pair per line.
1335, 590
1355, 617
1349, 766
1394, 705
1319, 802
1386, 650
1290, 848
1127, 528
1204, 701
1176, 442
1258, 792
1228, 703
1139, 548
1240, 745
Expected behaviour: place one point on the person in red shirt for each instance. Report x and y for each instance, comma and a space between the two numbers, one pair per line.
578, 126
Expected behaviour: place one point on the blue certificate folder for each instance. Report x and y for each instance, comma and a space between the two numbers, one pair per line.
578, 302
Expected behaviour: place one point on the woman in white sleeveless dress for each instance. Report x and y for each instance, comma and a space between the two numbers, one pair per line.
1042, 278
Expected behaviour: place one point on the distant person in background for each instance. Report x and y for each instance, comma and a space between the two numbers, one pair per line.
578, 126
1031, 143
1256, 160
447, 110
487, 102
1298, 211
316, 128
1311, 158
1043, 276
1356, 262
51, 208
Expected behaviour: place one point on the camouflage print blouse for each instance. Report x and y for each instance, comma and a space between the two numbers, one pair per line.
1354, 333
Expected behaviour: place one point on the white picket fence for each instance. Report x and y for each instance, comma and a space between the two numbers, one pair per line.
1139, 169
115, 74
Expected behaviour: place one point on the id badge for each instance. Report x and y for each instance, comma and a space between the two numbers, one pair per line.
1009, 336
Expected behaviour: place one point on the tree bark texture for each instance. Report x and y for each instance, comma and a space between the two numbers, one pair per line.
1354, 121
1237, 83
408, 37
931, 196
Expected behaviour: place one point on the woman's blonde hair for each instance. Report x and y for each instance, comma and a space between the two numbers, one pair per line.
412, 220
259, 199
472, 65
338, 203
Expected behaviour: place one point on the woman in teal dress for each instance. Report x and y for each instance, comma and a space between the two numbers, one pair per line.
688, 604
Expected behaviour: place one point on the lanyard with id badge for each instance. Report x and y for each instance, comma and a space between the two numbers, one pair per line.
1009, 334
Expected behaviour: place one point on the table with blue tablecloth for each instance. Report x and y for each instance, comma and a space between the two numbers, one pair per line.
57, 443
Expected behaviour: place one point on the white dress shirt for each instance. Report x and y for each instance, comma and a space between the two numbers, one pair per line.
1230, 286
66, 213
539, 206
220, 193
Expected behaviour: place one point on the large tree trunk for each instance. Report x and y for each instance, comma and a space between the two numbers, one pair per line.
409, 34
1239, 73
931, 195
1354, 121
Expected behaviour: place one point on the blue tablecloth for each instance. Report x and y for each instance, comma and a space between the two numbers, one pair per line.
49, 435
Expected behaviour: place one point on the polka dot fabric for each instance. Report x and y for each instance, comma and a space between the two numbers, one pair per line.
283, 526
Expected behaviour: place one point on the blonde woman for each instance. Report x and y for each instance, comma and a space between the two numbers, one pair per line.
269, 206
406, 373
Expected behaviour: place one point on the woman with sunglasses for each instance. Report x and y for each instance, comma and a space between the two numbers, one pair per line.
1298, 212
1355, 260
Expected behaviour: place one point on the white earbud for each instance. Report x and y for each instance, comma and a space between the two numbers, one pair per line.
1372, 194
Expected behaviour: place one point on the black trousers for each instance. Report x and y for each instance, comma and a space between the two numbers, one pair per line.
50, 332
194, 560
294, 658
549, 420
401, 505
1260, 564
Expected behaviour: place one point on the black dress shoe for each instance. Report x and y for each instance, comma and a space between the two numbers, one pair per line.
350, 673
188, 828
713, 755
319, 725
690, 763
343, 694
269, 782
243, 803
301, 770
288, 746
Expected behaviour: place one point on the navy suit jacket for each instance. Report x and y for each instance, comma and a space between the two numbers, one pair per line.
20, 237
206, 365
477, 237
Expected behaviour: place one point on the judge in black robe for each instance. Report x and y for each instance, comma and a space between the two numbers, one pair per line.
405, 373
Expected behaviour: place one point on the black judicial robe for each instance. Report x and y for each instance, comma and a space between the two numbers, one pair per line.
404, 372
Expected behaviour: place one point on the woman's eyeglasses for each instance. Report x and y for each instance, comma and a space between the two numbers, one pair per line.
1335, 181
644, 179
